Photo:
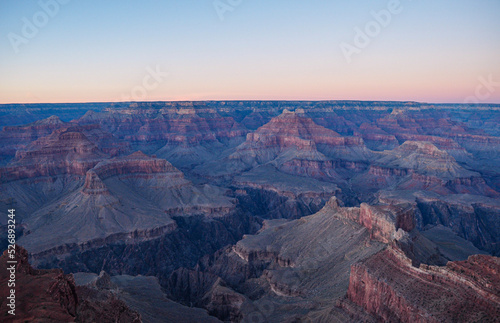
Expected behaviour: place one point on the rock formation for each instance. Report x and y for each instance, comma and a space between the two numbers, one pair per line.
264, 211
52, 296
388, 287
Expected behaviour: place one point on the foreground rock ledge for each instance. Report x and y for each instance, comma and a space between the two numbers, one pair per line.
389, 288
52, 296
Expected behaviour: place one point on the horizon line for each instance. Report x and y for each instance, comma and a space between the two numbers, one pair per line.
254, 100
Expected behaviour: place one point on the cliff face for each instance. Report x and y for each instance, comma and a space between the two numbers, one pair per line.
136, 163
476, 222
281, 198
384, 221
60, 153
376, 141
425, 158
424, 177
207, 291
422, 166
285, 132
13, 138
68, 150
194, 238
184, 126
387, 286
51, 296
96, 305
124, 198
480, 145
381, 221
290, 263
94, 185
185, 136
301, 264
295, 130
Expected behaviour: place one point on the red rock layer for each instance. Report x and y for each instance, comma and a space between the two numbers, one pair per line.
51, 296
70, 151
182, 126
294, 130
67, 150
280, 142
382, 221
63, 152
94, 185
136, 163
389, 288
387, 141
419, 165
40, 294
15, 138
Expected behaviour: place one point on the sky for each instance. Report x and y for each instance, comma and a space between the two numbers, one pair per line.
439, 51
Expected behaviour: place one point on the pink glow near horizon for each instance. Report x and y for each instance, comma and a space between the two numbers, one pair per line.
424, 51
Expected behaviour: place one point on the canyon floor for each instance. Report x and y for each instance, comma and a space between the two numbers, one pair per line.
253, 211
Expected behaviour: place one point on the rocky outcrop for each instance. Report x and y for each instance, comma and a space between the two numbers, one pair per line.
86, 204
424, 158
185, 134
99, 303
476, 222
281, 198
94, 185
46, 294
13, 138
51, 296
290, 263
129, 198
295, 130
199, 289
68, 150
63, 152
388, 287
382, 221
446, 144
136, 163
33, 130
422, 166
377, 141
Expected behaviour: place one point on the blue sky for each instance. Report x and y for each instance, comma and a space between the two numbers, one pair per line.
433, 51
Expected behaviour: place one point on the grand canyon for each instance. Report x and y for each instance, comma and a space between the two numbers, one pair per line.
252, 211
